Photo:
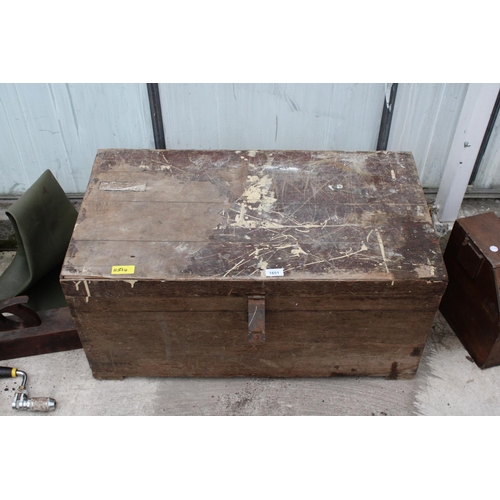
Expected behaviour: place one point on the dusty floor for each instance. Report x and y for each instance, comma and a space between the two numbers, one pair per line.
447, 383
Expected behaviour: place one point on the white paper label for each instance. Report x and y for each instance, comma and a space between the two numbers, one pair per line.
275, 272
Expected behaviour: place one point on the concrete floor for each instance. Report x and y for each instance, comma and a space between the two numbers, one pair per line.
447, 383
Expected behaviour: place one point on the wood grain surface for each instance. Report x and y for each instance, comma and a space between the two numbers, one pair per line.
362, 269
471, 303
225, 214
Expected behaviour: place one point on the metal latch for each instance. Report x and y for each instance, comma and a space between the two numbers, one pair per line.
256, 319
470, 257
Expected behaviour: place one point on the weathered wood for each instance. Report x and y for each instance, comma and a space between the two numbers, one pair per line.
362, 270
298, 343
56, 333
471, 303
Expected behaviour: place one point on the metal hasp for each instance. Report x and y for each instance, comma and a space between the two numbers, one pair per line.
256, 319
469, 257
21, 400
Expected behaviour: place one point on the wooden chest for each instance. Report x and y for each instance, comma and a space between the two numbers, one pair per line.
253, 263
471, 303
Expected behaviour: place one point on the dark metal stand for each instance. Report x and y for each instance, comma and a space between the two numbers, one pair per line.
24, 332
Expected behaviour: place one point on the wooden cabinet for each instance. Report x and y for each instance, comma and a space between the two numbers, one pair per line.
471, 301
253, 263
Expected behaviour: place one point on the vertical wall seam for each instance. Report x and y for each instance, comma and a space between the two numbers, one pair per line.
328, 124
73, 111
156, 115
386, 120
14, 141
217, 110
486, 139
433, 128
408, 109
33, 151
146, 125
61, 130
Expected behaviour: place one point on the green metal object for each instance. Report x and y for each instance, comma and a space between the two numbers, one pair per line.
43, 219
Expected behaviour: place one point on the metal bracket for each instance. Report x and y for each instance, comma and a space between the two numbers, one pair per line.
256, 319
24, 332
15, 306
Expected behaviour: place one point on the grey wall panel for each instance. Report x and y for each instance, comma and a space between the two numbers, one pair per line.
488, 175
272, 116
61, 127
424, 122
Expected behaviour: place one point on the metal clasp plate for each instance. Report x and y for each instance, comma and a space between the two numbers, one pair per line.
256, 319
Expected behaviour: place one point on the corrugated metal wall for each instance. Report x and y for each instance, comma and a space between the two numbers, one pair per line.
61, 126
424, 122
488, 175
272, 116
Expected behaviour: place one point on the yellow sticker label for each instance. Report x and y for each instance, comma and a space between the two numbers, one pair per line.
123, 270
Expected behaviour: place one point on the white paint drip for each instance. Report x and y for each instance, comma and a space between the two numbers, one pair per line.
234, 267
257, 193
258, 250
131, 282
425, 271
159, 168
382, 250
280, 168
258, 190
296, 252
77, 284
262, 264
121, 186
87, 289
181, 247
242, 220
348, 254
296, 249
